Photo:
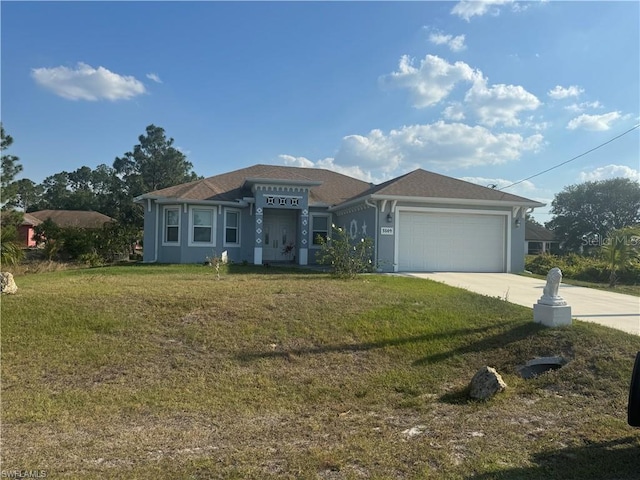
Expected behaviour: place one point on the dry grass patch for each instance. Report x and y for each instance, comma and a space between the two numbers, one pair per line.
165, 372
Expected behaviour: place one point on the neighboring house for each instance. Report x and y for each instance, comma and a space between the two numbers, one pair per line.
72, 218
26, 230
539, 240
420, 221
62, 218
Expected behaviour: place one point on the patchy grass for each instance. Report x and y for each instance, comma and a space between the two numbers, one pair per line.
164, 372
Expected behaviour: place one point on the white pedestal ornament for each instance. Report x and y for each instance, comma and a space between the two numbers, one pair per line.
552, 310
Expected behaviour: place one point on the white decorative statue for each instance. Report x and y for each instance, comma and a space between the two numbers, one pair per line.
550, 294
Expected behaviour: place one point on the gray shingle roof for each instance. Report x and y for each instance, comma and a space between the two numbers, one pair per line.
536, 233
335, 187
28, 219
421, 183
72, 218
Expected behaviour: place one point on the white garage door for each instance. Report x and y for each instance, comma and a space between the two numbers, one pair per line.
451, 242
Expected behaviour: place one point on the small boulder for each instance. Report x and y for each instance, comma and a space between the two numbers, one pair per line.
7, 283
486, 383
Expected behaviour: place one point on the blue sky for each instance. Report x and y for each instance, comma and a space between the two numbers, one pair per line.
490, 92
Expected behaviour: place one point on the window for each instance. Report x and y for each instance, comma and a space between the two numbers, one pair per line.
319, 228
202, 230
231, 227
172, 225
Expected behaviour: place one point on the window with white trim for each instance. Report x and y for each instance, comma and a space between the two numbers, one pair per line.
231, 227
202, 231
171, 235
319, 228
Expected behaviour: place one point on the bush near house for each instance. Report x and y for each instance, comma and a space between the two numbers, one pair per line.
347, 257
93, 246
585, 268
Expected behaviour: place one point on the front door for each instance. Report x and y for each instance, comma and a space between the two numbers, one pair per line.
279, 232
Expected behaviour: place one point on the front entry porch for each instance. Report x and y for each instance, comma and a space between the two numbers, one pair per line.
279, 238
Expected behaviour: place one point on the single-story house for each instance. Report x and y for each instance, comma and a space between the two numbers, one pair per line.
539, 240
62, 218
72, 218
26, 230
421, 221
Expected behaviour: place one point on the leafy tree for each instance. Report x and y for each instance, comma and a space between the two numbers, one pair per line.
55, 193
27, 194
584, 214
346, 257
49, 235
620, 249
153, 164
10, 168
529, 219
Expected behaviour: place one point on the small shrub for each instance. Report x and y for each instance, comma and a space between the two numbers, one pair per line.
346, 257
91, 259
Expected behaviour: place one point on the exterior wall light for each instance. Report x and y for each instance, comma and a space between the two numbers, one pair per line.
517, 223
389, 218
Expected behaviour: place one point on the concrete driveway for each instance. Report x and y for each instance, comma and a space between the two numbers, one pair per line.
606, 308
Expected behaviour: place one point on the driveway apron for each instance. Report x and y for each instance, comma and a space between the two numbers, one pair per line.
611, 309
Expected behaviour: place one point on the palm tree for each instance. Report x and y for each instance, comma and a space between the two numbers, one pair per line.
10, 250
620, 248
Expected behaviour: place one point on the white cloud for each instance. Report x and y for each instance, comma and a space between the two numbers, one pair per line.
378, 157
594, 122
610, 171
581, 107
375, 151
455, 44
87, 83
499, 104
432, 81
154, 77
328, 164
469, 8
454, 112
558, 92
292, 161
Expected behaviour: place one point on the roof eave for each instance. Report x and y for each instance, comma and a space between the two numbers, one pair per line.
173, 200
460, 201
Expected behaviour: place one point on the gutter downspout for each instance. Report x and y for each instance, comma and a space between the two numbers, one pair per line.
155, 247
375, 236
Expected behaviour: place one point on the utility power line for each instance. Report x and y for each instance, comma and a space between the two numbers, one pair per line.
574, 158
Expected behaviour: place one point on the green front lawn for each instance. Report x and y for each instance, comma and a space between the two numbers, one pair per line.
165, 372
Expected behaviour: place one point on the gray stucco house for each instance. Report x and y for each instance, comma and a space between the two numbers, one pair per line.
421, 221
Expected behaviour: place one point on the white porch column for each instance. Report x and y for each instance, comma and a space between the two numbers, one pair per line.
257, 256
257, 249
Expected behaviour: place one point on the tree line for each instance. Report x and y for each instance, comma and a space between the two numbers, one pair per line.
152, 164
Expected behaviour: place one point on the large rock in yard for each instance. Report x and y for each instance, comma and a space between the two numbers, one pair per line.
7, 284
486, 383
